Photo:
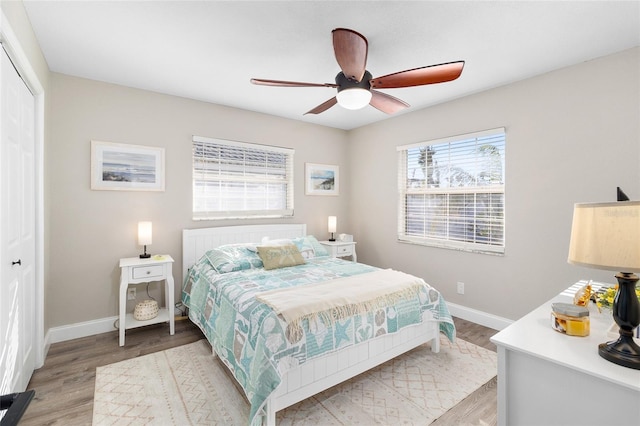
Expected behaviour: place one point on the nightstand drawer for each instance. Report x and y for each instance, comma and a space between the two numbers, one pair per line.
344, 250
139, 272
341, 249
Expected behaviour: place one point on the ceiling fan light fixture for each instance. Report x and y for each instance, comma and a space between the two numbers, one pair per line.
355, 98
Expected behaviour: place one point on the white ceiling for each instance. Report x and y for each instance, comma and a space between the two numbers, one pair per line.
208, 50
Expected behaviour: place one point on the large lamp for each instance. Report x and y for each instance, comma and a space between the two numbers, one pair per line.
607, 236
145, 237
331, 226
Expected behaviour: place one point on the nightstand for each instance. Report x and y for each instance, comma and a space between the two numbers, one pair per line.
134, 270
341, 248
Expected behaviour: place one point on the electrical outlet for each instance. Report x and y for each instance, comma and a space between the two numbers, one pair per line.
131, 293
460, 288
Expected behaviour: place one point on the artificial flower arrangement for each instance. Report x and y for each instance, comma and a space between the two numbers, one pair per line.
604, 298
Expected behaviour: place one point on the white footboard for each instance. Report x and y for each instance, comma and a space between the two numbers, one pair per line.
326, 371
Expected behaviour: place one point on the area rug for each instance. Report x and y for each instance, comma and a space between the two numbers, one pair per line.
187, 385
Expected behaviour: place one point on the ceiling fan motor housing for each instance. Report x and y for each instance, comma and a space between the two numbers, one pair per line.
346, 83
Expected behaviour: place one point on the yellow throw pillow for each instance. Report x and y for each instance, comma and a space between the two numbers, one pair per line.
274, 257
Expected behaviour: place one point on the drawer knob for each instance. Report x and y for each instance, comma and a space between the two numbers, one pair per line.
148, 272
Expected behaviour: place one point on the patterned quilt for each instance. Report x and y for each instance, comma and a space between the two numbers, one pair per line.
257, 346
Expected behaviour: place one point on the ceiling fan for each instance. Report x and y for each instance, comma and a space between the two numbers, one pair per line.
356, 85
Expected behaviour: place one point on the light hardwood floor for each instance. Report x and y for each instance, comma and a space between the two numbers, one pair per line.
65, 384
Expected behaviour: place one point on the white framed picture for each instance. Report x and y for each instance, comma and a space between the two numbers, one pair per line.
123, 167
321, 179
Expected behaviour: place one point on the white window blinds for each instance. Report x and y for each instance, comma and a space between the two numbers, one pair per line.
451, 192
241, 180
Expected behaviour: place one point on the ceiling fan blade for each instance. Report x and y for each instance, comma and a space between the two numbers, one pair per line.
386, 103
420, 76
350, 48
323, 106
280, 83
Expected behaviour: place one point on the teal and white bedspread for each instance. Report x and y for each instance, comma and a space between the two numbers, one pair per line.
255, 343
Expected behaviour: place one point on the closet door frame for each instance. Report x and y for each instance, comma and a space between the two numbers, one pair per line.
20, 60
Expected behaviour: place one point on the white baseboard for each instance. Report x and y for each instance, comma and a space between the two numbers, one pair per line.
80, 329
104, 325
488, 320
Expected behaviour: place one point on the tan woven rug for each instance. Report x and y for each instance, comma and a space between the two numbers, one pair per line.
188, 386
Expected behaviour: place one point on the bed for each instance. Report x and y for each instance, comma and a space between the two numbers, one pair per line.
276, 363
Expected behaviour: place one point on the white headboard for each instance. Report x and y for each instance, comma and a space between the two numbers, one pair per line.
195, 242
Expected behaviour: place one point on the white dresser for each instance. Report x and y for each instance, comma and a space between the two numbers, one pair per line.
548, 378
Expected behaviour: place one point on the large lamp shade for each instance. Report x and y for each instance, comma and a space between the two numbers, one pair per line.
606, 236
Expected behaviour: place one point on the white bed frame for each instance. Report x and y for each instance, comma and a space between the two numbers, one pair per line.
326, 371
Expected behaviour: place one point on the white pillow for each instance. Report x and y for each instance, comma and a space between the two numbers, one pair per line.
276, 243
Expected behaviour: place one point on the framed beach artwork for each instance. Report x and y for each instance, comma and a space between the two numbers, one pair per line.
123, 167
321, 179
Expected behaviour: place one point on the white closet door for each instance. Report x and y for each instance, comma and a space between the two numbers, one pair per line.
17, 230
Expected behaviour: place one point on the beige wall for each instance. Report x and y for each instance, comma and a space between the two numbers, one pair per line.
92, 230
573, 135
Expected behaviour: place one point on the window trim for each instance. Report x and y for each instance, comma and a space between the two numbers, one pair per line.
288, 211
473, 247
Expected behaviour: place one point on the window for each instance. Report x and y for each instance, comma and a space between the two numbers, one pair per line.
241, 180
451, 192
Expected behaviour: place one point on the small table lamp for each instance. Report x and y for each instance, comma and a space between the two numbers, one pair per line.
607, 236
144, 237
331, 226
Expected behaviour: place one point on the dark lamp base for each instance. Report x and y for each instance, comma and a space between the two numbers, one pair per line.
145, 255
626, 313
623, 351
332, 239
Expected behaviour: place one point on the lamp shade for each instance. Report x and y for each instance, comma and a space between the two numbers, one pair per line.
606, 236
144, 233
355, 98
332, 224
